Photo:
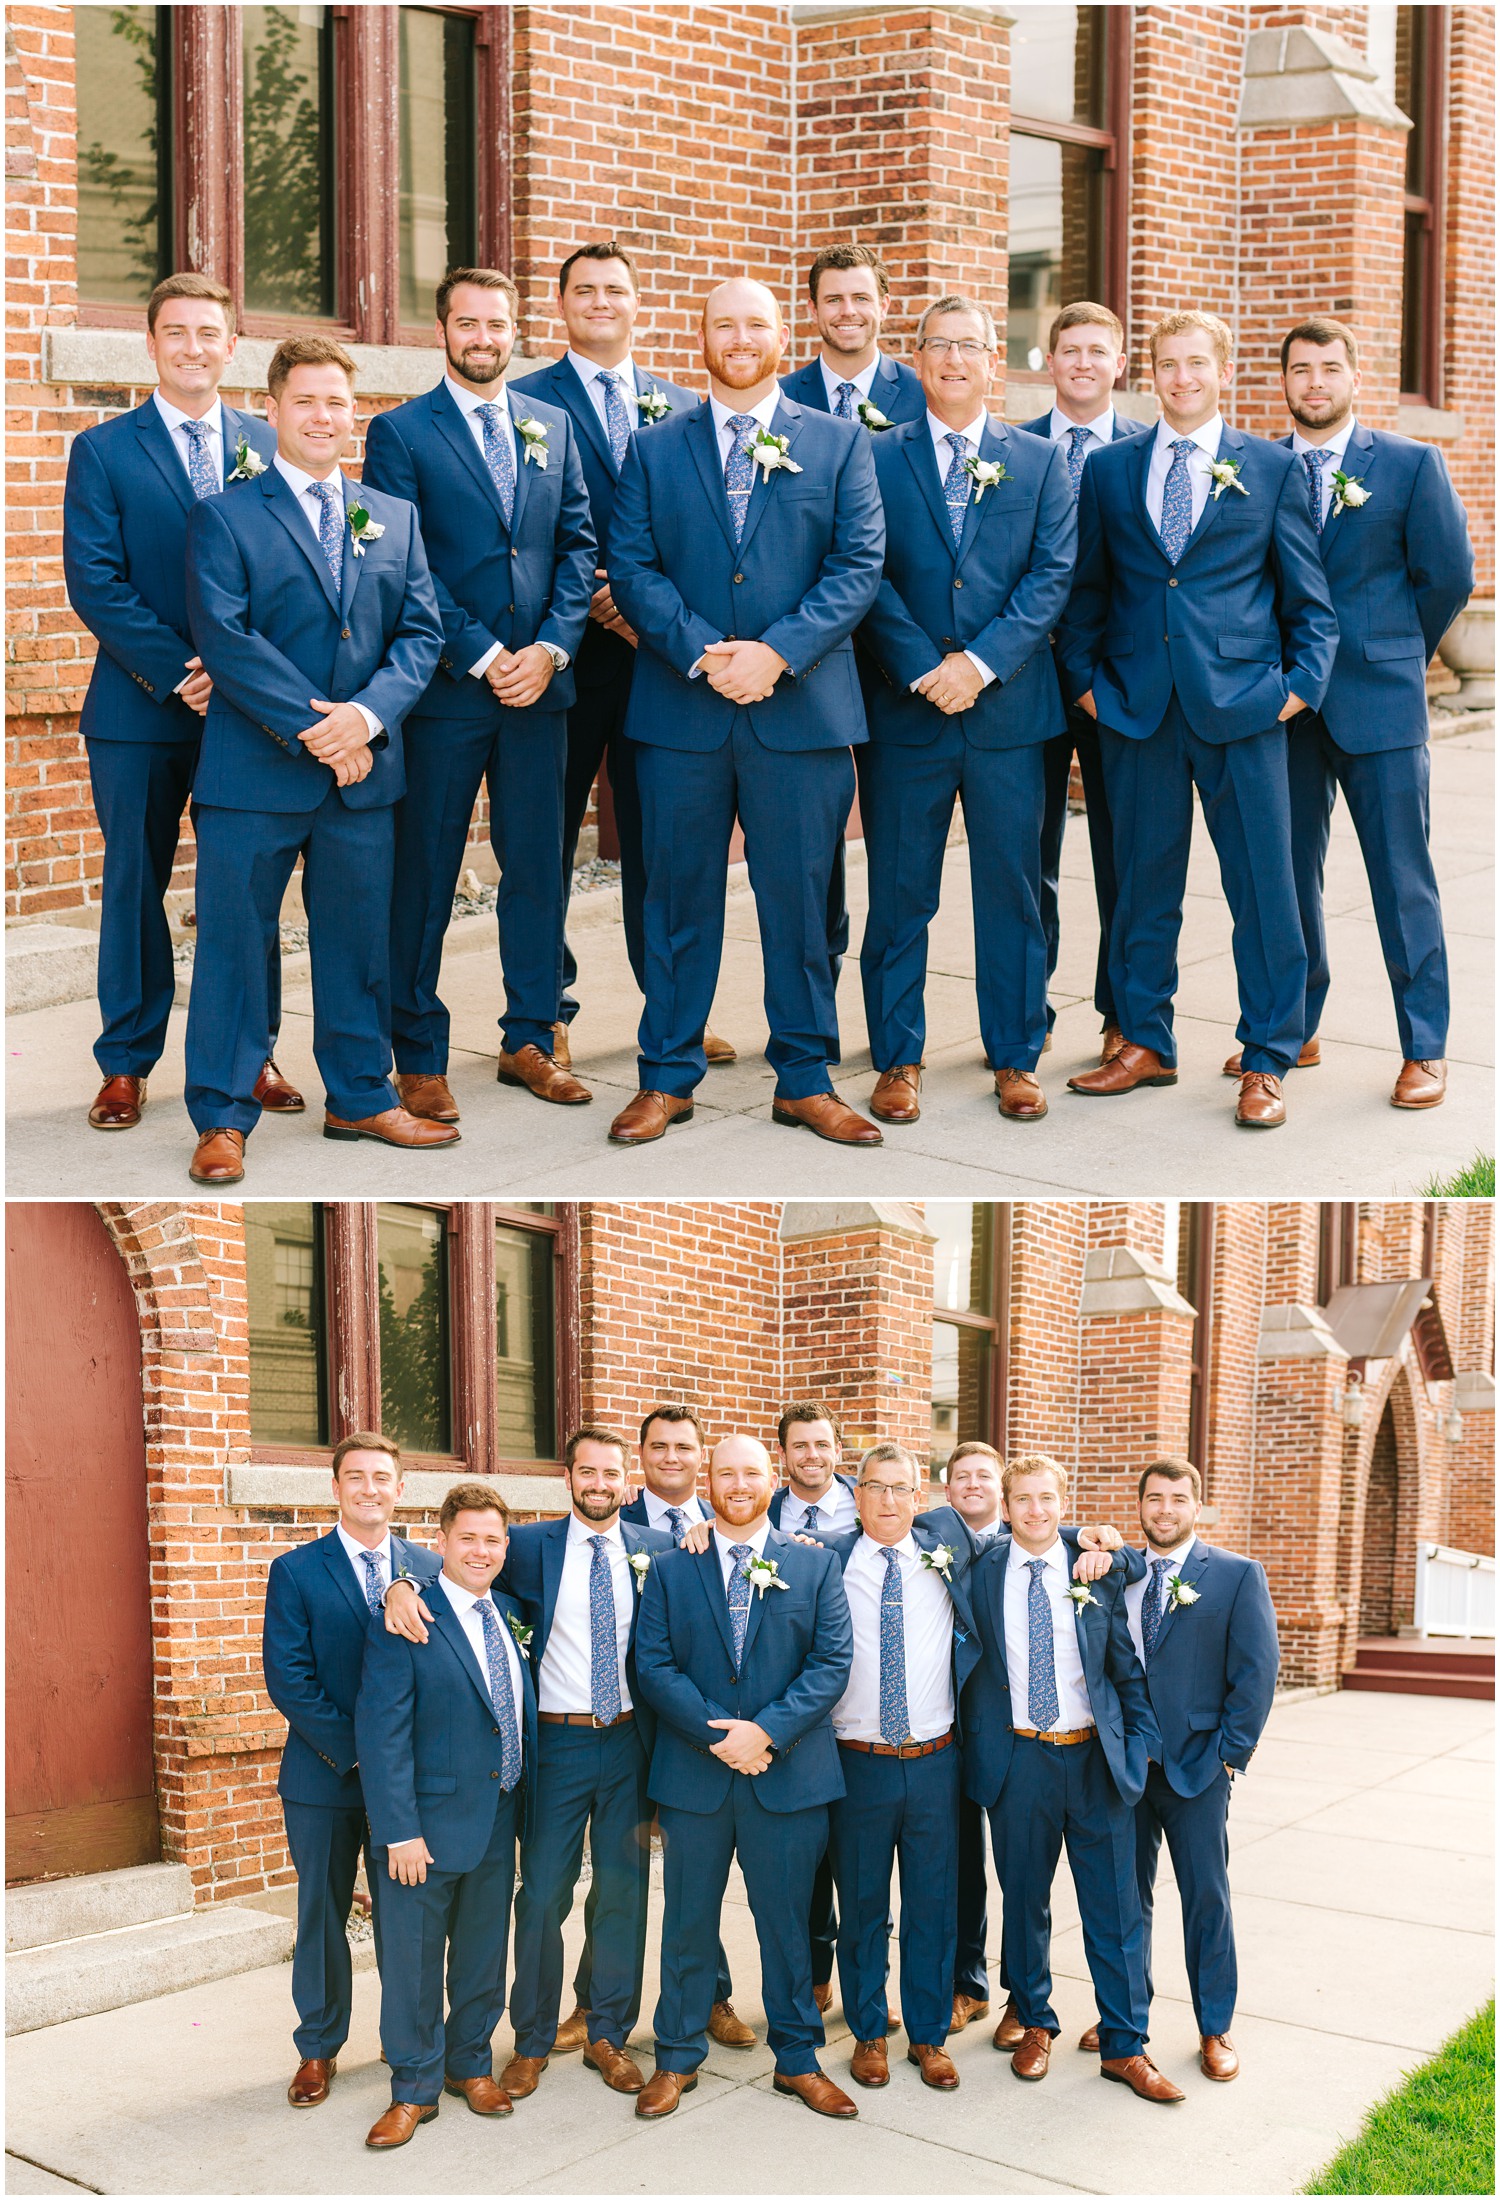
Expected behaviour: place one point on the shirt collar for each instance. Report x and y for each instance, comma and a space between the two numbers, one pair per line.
381, 1550
470, 400
1206, 437
589, 370
1335, 446
940, 431
463, 1600
863, 382
756, 1538
906, 1548
580, 1531
664, 1505
1056, 1557
213, 419
827, 1502
1061, 427
1176, 1558
764, 412
299, 482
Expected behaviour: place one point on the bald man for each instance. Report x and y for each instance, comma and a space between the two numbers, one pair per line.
746, 546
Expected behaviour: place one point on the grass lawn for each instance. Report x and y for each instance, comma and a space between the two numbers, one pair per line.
1435, 2132
1477, 1181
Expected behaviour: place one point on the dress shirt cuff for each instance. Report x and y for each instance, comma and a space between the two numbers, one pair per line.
370, 719
477, 672
182, 683
986, 675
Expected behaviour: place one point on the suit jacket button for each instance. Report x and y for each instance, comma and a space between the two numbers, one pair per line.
957, 583
510, 607
494, 1775
738, 578
345, 635
1171, 584
947, 641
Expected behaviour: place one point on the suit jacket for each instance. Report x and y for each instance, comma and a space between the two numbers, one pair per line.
1399, 570
273, 633
313, 1645
999, 591
125, 515
1116, 1685
778, 1502
939, 1525
803, 575
1242, 619
634, 1514
1124, 427
798, 1649
896, 390
531, 1575
530, 582
429, 1748
1212, 1674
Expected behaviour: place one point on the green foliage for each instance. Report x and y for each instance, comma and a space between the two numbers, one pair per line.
136, 28
283, 173
1435, 2132
1477, 1181
412, 1356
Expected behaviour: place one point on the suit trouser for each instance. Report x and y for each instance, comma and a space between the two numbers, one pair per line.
778, 1854
1057, 755
1054, 1796
1387, 794
971, 1960
1247, 809
897, 1809
906, 802
793, 806
522, 756
583, 1977
1197, 1833
595, 1779
325, 1846
596, 732
465, 1918
245, 858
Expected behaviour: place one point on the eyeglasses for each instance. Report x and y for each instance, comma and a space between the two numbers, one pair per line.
965, 344
890, 1489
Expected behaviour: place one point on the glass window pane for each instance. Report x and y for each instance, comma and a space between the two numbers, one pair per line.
124, 197
1056, 239
288, 160
412, 1248
1057, 64
287, 1321
1410, 71
963, 1379
437, 198
1414, 307
525, 1346
963, 1257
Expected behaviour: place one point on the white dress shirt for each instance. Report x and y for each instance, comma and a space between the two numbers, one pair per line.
724, 1545
465, 1604
468, 402
381, 1551
1199, 477
1073, 1706
177, 423
764, 412
927, 1631
589, 371
304, 488
1336, 446
691, 1509
1060, 427
863, 382
943, 450
834, 1512
566, 1680
1135, 1592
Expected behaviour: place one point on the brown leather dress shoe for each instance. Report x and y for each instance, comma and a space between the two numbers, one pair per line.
935, 2064
1010, 2031
823, 1996
663, 2090
275, 1095
1140, 2073
1217, 2057
218, 1158
1128, 1067
825, 1114
816, 2092
965, 2010
1031, 2058
1309, 1058
728, 2029
1088, 2042
522, 2075
1260, 1106
892, 2021
573, 2033
482, 2094
895, 1099
645, 1118
391, 1127
542, 1074
1420, 1085
716, 1051
1021, 1098
562, 1046
870, 2063
614, 2066
118, 1104
1110, 1043
311, 2084
426, 1095
399, 2123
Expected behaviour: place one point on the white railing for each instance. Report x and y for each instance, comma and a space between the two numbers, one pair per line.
1455, 1592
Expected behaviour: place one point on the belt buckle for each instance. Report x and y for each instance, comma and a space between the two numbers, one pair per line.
600, 1725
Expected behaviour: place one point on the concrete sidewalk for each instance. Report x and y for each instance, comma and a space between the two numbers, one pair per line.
1363, 1873
1342, 1138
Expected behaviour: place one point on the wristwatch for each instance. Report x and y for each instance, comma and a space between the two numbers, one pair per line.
560, 658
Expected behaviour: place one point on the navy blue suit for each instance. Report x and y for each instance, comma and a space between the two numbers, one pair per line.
1040, 1795
1189, 667
529, 582
801, 578
596, 722
778, 1502
273, 634
125, 511
998, 592
1081, 734
312, 1648
430, 1755
896, 390
797, 1652
1399, 569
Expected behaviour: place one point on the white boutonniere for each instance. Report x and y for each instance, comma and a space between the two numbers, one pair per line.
1348, 496
872, 416
1082, 1594
533, 441
770, 455
1226, 475
1179, 1593
363, 529
761, 1573
651, 405
247, 463
520, 1630
986, 473
640, 1566
940, 1558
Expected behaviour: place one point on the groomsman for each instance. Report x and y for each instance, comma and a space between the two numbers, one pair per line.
1203, 1626
1085, 358
1399, 565
447, 1738
742, 1650
319, 1601
962, 697
973, 1489
1199, 624
313, 611
745, 548
609, 397
131, 483
816, 1499
497, 482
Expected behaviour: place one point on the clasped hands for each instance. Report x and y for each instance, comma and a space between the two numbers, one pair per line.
603, 609
340, 738
742, 672
953, 685
520, 677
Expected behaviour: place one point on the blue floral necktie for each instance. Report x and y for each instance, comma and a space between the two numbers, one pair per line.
604, 1654
1315, 461
200, 460
1078, 451
616, 418
1041, 1659
739, 1597
739, 469
502, 1695
895, 1720
331, 529
956, 484
500, 455
372, 1580
1177, 500
843, 401
674, 1522
1152, 1604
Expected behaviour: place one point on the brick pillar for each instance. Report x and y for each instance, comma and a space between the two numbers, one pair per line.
857, 1316
1048, 1241
1301, 1518
1228, 1462
1134, 1360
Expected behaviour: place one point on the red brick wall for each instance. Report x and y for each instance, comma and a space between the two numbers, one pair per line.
1470, 275
857, 1330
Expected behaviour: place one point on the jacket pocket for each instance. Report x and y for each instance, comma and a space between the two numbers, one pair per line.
1381, 648
1263, 649
436, 1783
802, 491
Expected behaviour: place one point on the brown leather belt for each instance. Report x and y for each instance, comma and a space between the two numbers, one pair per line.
906, 1749
582, 1718
1066, 1738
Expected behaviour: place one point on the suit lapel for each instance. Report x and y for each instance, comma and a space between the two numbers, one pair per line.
336, 1559
281, 498
450, 1627
449, 417
157, 438
711, 1582
554, 1551
703, 442
1191, 1574
992, 445
353, 564
572, 392
787, 421
923, 461
518, 411
1361, 454
810, 388
1140, 468
1232, 443
775, 1545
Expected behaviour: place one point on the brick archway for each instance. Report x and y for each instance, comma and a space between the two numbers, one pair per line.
1390, 1405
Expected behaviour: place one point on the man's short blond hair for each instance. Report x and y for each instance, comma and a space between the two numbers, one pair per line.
305, 351
971, 1448
1033, 1462
1083, 313
1173, 324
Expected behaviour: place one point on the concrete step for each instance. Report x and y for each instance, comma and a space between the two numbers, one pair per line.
1432, 1655
47, 964
1422, 1681
79, 1978
95, 1902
